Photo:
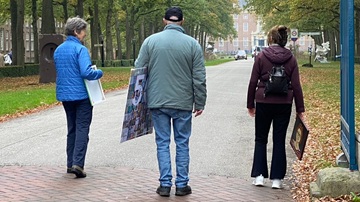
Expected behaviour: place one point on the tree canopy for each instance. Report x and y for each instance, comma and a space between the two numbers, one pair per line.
306, 16
121, 23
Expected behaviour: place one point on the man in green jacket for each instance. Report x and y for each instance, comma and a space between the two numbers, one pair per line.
176, 87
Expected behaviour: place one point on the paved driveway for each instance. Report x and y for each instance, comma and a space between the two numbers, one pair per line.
33, 160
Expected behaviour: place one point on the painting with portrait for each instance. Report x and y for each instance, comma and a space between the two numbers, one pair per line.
299, 137
137, 119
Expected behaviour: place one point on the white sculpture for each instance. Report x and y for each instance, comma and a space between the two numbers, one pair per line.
7, 59
321, 52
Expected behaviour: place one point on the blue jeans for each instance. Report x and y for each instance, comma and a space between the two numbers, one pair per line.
79, 116
182, 130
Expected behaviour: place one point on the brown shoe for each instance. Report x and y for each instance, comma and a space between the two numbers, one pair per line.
78, 171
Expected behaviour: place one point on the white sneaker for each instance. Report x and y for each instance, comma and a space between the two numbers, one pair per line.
259, 181
276, 184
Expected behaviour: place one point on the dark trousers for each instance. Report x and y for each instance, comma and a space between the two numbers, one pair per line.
79, 116
279, 116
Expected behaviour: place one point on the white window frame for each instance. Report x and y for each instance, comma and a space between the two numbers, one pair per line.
236, 26
236, 42
245, 27
245, 42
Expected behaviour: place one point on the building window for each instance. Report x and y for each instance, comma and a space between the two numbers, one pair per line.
245, 16
245, 42
236, 42
221, 42
245, 27
235, 16
236, 26
32, 42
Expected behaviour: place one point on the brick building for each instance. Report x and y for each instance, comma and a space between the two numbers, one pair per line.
247, 29
250, 34
6, 40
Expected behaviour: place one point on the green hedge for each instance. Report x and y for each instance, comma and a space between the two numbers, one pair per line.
19, 71
33, 69
114, 63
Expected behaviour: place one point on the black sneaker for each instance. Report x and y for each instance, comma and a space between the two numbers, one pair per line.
163, 191
183, 191
78, 171
68, 170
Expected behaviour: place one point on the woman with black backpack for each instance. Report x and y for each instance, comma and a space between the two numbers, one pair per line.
268, 105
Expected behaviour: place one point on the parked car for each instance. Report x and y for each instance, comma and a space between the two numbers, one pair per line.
241, 54
257, 50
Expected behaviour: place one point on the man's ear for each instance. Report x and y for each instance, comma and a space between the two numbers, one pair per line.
164, 21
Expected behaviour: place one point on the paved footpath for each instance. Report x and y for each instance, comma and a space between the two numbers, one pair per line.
33, 160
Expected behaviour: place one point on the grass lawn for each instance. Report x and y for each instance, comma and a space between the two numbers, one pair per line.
23, 94
218, 61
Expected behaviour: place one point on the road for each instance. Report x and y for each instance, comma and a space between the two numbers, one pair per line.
222, 142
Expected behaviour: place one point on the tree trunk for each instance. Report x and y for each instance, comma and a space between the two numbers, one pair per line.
65, 8
13, 11
318, 40
191, 30
205, 37
357, 32
109, 45
338, 42
96, 31
201, 38
196, 32
93, 33
48, 21
118, 39
35, 31
20, 49
332, 53
141, 32
79, 11
129, 32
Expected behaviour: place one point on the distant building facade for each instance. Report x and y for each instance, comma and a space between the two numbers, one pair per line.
6, 40
245, 24
250, 33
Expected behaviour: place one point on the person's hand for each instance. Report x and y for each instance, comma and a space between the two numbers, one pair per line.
252, 112
301, 115
198, 112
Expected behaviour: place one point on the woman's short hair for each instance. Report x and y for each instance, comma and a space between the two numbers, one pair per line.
75, 24
278, 35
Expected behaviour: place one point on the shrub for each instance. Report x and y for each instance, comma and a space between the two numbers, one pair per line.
19, 71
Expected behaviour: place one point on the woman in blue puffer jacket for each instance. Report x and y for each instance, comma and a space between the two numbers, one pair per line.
73, 65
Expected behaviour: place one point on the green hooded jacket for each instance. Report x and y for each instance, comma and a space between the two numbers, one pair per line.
176, 70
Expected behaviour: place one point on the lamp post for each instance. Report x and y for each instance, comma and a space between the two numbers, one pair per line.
102, 50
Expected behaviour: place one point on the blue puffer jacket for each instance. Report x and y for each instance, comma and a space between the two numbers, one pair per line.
73, 65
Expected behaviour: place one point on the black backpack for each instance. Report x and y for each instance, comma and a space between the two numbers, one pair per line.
278, 83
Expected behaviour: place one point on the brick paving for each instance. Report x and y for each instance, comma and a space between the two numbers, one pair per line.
52, 183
